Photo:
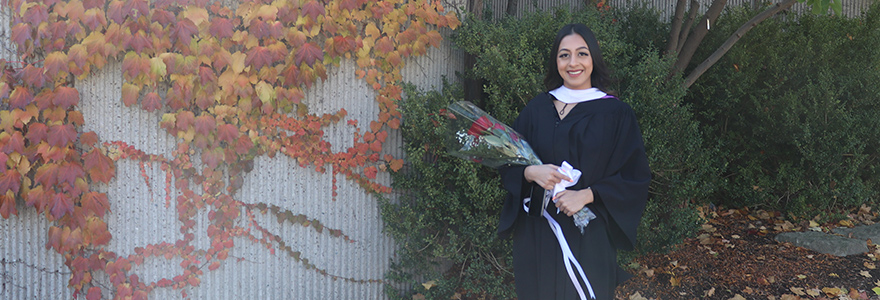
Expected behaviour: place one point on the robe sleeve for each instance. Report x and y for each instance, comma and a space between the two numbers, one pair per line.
622, 194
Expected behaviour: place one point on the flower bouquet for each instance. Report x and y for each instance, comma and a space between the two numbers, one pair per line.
477, 136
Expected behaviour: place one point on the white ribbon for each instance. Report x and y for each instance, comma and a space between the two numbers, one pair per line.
567, 256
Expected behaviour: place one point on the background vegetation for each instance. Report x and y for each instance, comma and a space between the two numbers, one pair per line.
795, 109
446, 222
787, 120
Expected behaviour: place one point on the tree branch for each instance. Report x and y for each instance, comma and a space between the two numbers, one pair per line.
690, 46
677, 19
686, 29
712, 59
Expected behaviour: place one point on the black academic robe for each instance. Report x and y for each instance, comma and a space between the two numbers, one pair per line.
602, 139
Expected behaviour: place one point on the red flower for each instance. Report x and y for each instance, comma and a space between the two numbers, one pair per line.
479, 126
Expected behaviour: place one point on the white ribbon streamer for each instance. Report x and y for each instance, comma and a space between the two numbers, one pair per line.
567, 256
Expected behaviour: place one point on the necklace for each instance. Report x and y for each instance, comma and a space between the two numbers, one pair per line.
562, 111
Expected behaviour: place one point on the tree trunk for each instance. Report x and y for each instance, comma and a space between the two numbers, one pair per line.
695, 39
712, 59
511, 7
473, 88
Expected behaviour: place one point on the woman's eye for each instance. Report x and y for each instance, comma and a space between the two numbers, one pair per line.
564, 55
583, 54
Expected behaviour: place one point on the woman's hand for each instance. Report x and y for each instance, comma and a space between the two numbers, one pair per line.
570, 202
546, 176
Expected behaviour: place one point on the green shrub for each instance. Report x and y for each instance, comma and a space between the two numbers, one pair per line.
446, 219
794, 105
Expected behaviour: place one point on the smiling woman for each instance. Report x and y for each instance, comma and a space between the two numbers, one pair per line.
576, 122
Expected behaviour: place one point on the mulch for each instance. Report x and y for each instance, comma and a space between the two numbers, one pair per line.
735, 256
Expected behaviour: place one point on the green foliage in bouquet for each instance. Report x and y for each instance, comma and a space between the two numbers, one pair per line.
796, 107
446, 219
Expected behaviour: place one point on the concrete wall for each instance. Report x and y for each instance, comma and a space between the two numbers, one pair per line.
140, 217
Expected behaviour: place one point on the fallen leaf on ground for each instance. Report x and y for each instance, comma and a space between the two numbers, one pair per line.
798, 291
637, 296
737, 297
865, 273
832, 292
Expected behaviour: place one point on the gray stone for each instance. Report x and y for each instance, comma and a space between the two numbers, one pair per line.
824, 243
862, 232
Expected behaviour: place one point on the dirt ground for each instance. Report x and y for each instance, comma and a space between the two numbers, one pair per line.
735, 256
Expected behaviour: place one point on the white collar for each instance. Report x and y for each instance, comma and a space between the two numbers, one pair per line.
569, 96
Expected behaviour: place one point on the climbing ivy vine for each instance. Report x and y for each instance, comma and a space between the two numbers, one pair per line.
228, 81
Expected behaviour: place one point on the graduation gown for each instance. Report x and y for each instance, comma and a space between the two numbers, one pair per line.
602, 139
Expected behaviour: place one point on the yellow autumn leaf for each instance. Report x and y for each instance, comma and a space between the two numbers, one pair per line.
157, 67
831, 292
866, 274
196, 14
237, 62
876, 290
265, 92
428, 285
372, 31
846, 223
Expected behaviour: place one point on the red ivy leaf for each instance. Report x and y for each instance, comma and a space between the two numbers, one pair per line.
220, 28
371, 172
185, 120
15, 143
207, 75
163, 17
47, 174
88, 138
348, 4
385, 45
55, 62
291, 75
184, 30
260, 57
204, 124
96, 203
152, 102
313, 9
21, 32
99, 166
7, 206
243, 145
10, 181
68, 172
96, 231
118, 11
60, 205
36, 133
36, 14
309, 52
227, 133
138, 42
44, 99
60, 135
94, 18
66, 97
33, 76
94, 293
21, 96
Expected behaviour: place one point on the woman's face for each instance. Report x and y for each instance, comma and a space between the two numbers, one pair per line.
574, 62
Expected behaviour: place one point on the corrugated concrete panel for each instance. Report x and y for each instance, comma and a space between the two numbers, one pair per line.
27, 269
140, 216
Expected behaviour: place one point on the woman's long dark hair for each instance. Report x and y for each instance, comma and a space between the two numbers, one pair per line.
600, 78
